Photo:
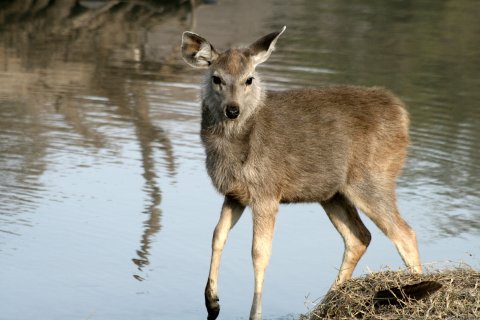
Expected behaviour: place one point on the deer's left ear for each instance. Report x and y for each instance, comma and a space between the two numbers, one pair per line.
261, 49
196, 51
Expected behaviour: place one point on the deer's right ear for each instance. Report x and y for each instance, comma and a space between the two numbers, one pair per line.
196, 51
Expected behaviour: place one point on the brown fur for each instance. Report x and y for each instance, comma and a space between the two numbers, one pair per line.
233, 61
340, 146
339, 137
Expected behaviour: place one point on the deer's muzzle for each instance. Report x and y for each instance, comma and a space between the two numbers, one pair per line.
232, 111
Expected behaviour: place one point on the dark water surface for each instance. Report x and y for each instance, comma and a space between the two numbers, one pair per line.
106, 211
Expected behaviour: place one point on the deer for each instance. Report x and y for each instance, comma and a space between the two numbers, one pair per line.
341, 146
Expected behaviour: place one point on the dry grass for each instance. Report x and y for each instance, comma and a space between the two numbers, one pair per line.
459, 297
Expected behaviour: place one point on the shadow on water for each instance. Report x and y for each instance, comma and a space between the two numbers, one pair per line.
61, 55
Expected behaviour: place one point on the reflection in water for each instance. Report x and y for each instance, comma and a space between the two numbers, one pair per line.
130, 99
21, 163
59, 58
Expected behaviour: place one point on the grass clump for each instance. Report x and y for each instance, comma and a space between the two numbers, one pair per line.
458, 298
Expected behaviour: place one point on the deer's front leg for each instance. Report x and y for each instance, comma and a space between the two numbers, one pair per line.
231, 212
264, 215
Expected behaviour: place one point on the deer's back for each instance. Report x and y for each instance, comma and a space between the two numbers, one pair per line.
351, 111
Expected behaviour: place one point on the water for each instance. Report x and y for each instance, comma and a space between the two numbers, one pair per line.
106, 211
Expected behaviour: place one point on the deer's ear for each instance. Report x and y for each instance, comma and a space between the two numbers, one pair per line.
196, 51
261, 49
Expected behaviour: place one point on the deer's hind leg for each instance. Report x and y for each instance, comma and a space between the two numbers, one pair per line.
378, 201
355, 235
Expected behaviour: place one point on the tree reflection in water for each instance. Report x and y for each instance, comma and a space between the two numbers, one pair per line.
56, 51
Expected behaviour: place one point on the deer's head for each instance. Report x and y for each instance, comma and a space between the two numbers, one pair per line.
232, 89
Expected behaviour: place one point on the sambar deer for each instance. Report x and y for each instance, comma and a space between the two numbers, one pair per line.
340, 146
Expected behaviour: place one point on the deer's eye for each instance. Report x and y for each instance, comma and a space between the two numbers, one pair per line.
249, 81
216, 80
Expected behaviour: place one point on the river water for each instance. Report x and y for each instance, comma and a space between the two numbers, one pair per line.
106, 211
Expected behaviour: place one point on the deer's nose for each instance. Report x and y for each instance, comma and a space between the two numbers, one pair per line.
232, 111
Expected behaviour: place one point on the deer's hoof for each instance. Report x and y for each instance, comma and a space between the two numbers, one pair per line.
213, 307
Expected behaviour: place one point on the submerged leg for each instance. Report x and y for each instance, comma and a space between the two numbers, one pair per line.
264, 215
231, 212
355, 235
